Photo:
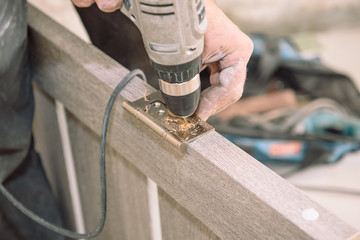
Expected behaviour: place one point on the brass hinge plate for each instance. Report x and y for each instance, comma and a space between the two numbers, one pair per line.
153, 112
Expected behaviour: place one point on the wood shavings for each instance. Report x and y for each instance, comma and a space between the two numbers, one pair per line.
181, 126
145, 93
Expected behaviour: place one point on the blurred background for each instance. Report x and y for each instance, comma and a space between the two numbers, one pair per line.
326, 29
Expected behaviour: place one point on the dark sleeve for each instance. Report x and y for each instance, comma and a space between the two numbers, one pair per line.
16, 97
118, 37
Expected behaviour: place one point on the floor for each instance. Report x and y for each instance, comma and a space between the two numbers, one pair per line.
340, 49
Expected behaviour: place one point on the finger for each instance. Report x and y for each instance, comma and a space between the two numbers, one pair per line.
215, 72
109, 5
83, 3
227, 78
219, 96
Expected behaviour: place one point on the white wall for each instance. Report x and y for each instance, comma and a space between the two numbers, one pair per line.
283, 16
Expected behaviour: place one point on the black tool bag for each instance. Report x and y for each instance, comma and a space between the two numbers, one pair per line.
318, 81
307, 77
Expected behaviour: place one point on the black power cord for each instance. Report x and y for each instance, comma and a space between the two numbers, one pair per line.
105, 123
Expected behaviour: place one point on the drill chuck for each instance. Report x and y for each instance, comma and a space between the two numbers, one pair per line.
180, 86
181, 98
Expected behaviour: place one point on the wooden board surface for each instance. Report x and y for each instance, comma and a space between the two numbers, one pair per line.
48, 144
177, 223
128, 214
227, 190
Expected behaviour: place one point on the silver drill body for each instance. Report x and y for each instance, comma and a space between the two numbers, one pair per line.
173, 36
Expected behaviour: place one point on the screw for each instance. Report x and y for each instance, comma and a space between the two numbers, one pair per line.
310, 214
127, 3
161, 112
156, 104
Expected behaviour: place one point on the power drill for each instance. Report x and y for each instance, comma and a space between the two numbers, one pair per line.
173, 35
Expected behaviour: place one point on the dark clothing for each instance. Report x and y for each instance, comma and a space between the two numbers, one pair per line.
118, 37
29, 185
20, 166
16, 97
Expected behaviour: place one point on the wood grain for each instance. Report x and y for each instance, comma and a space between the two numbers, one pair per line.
177, 223
128, 213
234, 195
48, 144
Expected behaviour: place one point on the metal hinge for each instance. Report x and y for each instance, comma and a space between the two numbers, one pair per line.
152, 111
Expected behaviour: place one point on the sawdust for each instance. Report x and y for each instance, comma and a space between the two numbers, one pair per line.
145, 98
183, 126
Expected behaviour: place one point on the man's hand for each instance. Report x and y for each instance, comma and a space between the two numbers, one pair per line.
103, 5
226, 51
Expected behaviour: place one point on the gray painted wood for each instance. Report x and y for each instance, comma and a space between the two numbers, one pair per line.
177, 223
128, 213
48, 144
227, 190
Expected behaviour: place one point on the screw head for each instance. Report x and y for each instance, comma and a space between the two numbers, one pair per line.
127, 3
310, 214
156, 104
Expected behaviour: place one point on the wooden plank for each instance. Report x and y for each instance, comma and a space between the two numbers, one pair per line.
230, 192
128, 213
177, 223
129, 218
48, 144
